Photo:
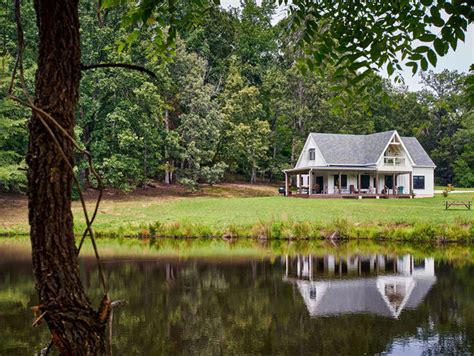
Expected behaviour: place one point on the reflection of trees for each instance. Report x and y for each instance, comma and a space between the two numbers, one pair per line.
229, 309
17, 295
236, 308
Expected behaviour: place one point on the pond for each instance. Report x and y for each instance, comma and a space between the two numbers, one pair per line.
287, 299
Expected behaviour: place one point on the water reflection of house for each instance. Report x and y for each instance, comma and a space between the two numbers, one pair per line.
377, 284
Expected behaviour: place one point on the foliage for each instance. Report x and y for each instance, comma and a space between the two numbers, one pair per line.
13, 136
360, 35
229, 98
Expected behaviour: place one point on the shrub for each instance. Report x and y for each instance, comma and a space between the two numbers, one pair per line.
13, 178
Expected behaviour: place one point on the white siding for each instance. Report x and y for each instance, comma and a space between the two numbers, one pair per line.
304, 161
428, 173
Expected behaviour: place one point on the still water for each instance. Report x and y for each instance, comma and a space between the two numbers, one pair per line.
303, 304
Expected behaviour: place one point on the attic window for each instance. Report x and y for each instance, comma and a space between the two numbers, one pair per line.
312, 154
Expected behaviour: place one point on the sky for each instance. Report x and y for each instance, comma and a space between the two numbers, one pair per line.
459, 60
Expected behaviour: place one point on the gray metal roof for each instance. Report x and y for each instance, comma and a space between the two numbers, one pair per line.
342, 149
417, 152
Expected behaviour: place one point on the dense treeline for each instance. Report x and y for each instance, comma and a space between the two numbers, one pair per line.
231, 102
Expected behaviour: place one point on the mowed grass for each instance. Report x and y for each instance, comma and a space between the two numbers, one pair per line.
216, 211
220, 212
443, 187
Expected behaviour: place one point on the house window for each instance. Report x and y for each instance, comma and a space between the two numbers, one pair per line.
418, 182
389, 181
343, 180
312, 154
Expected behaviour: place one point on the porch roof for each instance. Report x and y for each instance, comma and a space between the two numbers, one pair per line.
304, 170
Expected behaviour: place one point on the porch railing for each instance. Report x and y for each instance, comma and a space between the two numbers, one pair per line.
394, 161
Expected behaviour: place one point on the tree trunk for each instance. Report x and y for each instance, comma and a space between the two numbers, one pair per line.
167, 179
253, 177
75, 327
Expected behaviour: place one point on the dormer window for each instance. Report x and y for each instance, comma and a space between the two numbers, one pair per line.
312, 154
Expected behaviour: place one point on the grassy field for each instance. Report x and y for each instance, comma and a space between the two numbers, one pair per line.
225, 209
442, 187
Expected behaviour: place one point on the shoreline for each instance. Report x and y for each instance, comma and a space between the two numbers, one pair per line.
291, 230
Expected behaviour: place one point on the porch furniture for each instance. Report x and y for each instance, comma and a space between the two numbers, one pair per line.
337, 190
465, 203
400, 189
352, 189
317, 189
371, 190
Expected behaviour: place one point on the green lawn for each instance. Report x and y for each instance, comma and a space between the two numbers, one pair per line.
442, 187
220, 212
130, 216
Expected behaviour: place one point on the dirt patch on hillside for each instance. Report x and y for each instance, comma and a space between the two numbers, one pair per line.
14, 207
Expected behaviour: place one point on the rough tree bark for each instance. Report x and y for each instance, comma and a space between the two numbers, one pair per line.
76, 328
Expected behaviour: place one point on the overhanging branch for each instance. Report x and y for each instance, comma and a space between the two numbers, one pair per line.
119, 65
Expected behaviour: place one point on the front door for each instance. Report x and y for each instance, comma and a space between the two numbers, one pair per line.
364, 181
320, 184
389, 181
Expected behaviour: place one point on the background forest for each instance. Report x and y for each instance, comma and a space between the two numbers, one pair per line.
231, 104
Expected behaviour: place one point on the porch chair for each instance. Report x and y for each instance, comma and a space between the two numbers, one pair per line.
316, 189
400, 189
352, 189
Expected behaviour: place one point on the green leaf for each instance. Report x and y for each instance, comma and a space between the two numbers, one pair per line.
460, 34
439, 47
375, 51
358, 78
428, 37
358, 65
432, 57
390, 69
422, 49
414, 67
424, 64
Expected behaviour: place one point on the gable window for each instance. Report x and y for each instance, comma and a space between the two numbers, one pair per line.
312, 154
418, 182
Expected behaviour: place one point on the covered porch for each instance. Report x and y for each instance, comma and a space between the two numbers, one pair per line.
348, 183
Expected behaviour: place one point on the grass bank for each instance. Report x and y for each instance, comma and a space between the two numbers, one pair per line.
231, 212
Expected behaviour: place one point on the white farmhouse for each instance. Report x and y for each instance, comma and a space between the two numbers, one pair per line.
379, 165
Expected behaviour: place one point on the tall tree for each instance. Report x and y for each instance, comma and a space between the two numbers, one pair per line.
75, 326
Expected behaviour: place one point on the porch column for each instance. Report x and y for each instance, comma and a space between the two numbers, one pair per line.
393, 183
358, 182
310, 182
376, 183
339, 183
298, 183
410, 184
286, 184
